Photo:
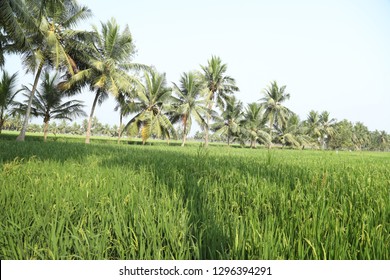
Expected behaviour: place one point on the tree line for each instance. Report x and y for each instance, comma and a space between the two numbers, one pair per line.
58, 128
64, 61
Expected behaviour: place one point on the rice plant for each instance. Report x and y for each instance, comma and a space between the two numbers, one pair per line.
103, 201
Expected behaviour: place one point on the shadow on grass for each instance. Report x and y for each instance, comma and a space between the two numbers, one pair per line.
164, 164
197, 174
197, 168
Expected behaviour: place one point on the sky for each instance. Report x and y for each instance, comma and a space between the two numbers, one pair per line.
332, 55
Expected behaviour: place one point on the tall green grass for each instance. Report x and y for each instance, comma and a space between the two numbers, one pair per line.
76, 201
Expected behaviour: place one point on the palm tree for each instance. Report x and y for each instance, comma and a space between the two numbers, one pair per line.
13, 123
229, 122
151, 99
378, 140
219, 86
123, 100
7, 96
293, 133
48, 104
313, 126
254, 125
109, 58
49, 39
276, 113
17, 22
126, 105
327, 128
383, 139
361, 136
320, 127
188, 103
15, 18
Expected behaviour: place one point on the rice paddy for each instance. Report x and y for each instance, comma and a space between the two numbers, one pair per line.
105, 201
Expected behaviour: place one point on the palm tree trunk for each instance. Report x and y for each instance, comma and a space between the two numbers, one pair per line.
206, 136
45, 129
270, 133
184, 130
2, 119
22, 134
1, 123
88, 134
184, 140
120, 127
325, 142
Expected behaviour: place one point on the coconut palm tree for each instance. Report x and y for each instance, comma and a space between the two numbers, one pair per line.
188, 103
379, 140
320, 127
383, 140
229, 122
48, 103
254, 125
276, 113
219, 86
326, 128
14, 122
49, 40
361, 136
151, 99
293, 133
7, 96
313, 126
109, 58
125, 105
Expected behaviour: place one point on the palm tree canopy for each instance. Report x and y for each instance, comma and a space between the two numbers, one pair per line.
155, 92
275, 111
7, 90
219, 84
107, 58
293, 133
51, 36
126, 103
7, 96
152, 98
327, 123
15, 19
188, 102
48, 101
231, 117
312, 124
361, 135
254, 122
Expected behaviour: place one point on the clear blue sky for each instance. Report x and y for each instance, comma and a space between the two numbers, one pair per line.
333, 55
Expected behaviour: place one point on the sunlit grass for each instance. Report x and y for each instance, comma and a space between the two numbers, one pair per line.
106, 201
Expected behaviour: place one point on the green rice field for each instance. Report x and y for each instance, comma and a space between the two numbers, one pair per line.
67, 200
